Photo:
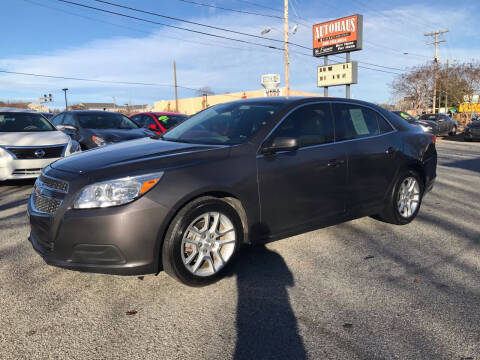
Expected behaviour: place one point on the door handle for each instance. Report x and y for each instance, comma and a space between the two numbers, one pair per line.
335, 163
390, 150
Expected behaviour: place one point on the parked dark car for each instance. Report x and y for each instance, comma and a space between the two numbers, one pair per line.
158, 122
98, 128
414, 121
441, 124
472, 131
248, 171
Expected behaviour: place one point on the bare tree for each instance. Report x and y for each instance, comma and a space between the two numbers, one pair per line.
205, 90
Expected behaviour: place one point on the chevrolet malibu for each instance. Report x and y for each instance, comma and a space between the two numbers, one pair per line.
237, 173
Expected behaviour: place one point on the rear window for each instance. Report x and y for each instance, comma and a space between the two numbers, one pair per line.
354, 121
431, 117
24, 122
169, 121
105, 121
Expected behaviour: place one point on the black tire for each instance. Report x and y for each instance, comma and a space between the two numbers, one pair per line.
391, 213
468, 139
172, 245
453, 132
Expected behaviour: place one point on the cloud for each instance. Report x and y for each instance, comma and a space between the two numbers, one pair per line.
226, 65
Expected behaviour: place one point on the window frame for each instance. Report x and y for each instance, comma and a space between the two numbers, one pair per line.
335, 141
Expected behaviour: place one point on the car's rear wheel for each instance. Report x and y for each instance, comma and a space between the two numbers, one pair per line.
202, 241
405, 201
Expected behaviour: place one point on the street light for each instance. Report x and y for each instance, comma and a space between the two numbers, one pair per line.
66, 104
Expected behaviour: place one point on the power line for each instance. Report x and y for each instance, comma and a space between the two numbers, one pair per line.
103, 81
177, 19
139, 30
229, 9
172, 26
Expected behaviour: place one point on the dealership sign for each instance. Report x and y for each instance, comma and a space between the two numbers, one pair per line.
338, 36
337, 74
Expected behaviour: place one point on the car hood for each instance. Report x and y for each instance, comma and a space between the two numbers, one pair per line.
37, 138
126, 158
117, 135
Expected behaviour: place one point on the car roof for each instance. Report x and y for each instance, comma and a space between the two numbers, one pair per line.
92, 112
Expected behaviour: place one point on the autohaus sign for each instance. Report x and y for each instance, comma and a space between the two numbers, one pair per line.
338, 36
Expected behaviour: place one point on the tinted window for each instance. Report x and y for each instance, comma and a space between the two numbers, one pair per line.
139, 119
310, 124
147, 119
23, 122
105, 120
230, 123
431, 117
69, 119
169, 121
354, 121
383, 124
57, 120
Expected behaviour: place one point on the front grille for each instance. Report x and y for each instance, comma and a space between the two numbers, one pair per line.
27, 171
54, 184
46, 152
44, 204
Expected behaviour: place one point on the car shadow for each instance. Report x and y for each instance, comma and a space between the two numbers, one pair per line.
265, 321
468, 164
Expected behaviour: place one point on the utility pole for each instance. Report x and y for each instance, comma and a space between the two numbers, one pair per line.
435, 34
446, 89
175, 79
66, 104
285, 43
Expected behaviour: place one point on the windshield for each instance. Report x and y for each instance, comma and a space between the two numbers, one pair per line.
406, 116
24, 122
230, 123
169, 121
431, 117
105, 121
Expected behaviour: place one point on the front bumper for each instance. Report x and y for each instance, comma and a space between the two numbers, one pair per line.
120, 240
24, 169
473, 134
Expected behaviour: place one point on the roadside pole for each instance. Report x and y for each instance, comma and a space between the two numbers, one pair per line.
347, 87
435, 34
285, 43
325, 88
175, 79
446, 89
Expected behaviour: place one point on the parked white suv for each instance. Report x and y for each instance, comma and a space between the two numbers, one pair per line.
28, 143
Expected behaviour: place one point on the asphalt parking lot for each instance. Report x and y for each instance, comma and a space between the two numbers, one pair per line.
359, 290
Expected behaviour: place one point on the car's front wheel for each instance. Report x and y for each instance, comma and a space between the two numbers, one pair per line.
404, 203
202, 241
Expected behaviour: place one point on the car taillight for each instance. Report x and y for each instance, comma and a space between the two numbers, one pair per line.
433, 137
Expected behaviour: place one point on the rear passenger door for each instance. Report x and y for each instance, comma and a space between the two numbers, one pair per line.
372, 150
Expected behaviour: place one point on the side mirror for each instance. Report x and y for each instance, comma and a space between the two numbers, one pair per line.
67, 128
281, 144
153, 127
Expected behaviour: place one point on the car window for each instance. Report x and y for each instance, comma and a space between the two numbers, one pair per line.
229, 123
310, 125
139, 119
105, 120
354, 121
383, 124
431, 117
69, 119
169, 121
24, 122
148, 120
57, 120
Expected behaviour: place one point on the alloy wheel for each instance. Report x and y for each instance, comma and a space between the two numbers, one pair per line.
208, 243
408, 197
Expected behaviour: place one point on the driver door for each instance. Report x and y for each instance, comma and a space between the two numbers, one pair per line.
302, 186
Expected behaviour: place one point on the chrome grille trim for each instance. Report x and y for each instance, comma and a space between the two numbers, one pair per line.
45, 204
50, 183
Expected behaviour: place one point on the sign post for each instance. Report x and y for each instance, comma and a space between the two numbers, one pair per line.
342, 35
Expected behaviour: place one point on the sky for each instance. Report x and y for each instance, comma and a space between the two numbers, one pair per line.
49, 37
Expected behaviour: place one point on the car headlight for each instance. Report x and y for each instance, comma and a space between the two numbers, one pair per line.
426, 128
116, 192
98, 140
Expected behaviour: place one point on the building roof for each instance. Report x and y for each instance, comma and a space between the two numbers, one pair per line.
101, 105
